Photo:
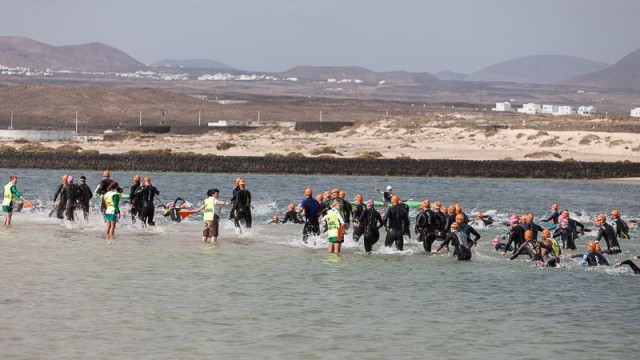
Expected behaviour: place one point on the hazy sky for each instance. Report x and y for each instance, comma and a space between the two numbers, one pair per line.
275, 35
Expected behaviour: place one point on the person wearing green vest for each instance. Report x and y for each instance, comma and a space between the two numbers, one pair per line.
111, 200
11, 194
335, 226
212, 210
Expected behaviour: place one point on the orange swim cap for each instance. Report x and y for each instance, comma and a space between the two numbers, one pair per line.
546, 233
308, 192
438, 204
64, 178
427, 203
341, 194
459, 217
395, 199
292, 206
591, 246
528, 235
319, 197
452, 208
106, 173
601, 218
615, 213
275, 218
136, 178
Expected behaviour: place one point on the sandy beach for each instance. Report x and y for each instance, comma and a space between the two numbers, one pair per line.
390, 139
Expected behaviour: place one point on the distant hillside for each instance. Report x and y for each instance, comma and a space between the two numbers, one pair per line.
539, 69
625, 74
24, 52
323, 73
450, 75
194, 63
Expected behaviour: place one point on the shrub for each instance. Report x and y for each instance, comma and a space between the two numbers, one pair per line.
225, 145
68, 148
35, 147
324, 150
295, 155
90, 152
7, 149
370, 155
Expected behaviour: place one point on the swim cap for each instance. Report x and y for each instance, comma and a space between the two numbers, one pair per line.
455, 226
106, 173
326, 195
615, 213
389, 187
564, 222
524, 218
598, 249
358, 197
528, 235
292, 206
546, 233
459, 217
136, 178
369, 204
147, 179
514, 219
457, 206
83, 178
64, 178
308, 192
452, 208
319, 197
341, 194
275, 218
395, 199
601, 218
591, 246
70, 179
479, 215
554, 206
238, 180
437, 203
495, 241
427, 204
335, 191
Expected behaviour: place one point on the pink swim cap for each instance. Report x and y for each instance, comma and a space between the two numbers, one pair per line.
514, 219
70, 179
564, 222
496, 241
369, 204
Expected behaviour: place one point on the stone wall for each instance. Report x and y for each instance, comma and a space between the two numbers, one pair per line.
322, 126
309, 166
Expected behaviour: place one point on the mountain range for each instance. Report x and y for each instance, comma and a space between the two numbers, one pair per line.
542, 69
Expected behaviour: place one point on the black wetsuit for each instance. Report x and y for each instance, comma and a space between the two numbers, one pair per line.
427, 224
356, 213
460, 242
71, 194
516, 236
292, 216
622, 229
242, 208
469, 230
554, 216
86, 195
607, 232
233, 202
535, 229
634, 267
395, 219
593, 259
102, 189
347, 208
406, 230
569, 234
63, 202
531, 248
441, 220
136, 201
370, 222
148, 193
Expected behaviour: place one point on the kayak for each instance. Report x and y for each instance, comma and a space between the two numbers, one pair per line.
184, 213
122, 196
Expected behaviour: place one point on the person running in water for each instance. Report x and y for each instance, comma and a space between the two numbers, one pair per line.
242, 206
460, 242
11, 194
394, 221
622, 229
111, 200
136, 199
211, 219
370, 223
310, 208
551, 250
86, 195
531, 247
467, 229
607, 232
71, 193
103, 186
593, 257
233, 198
60, 203
426, 225
356, 213
335, 226
516, 234
148, 193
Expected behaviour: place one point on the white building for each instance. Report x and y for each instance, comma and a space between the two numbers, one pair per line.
564, 110
635, 112
549, 109
530, 109
586, 110
502, 106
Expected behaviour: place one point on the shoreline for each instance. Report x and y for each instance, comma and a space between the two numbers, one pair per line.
192, 163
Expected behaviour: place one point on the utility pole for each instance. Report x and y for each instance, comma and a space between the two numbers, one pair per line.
140, 118
320, 116
76, 122
11, 125
258, 117
199, 117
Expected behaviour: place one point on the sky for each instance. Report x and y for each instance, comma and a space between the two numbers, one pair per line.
381, 35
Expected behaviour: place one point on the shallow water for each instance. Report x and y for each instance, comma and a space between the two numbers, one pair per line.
159, 293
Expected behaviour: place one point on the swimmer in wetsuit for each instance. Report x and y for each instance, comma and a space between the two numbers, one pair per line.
632, 265
394, 221
311, 210
607, 232
554, 214
622, 229
242, 206
292, 215
370, 223
356, 212
551, 250
593, 257
427, 226
459, 240
516, 234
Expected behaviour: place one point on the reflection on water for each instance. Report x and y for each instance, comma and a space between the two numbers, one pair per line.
69, 293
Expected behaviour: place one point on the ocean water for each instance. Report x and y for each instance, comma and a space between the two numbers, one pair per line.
67, 292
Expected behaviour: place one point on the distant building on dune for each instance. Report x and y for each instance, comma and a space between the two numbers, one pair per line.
530, 109
565, 110
635, 112
549, 109
586, 110
502, 107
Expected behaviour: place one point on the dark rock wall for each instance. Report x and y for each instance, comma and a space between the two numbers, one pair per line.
338, 166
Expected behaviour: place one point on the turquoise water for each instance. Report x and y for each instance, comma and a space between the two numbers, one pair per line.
66, 292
